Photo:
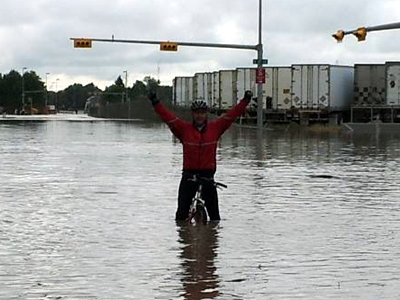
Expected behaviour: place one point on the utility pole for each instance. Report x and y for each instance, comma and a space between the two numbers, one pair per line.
56, 95
23, 88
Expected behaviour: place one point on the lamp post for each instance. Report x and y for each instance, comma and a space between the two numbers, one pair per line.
47, 93
126, 85
23, 88
126, 94
53, 98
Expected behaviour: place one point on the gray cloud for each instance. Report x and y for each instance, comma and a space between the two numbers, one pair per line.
35, 34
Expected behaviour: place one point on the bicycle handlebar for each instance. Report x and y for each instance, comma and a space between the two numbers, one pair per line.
221, 185
198, 178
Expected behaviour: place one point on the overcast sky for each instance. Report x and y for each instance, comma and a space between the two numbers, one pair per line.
35, 34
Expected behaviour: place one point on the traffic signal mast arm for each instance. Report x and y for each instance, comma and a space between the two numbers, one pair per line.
207, 45
384, 27
361, 32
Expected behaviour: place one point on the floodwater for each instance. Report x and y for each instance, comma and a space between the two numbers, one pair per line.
87, 212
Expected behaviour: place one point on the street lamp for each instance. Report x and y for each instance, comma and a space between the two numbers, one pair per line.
126, 94
47, 93
126, 85
53, 98
23, 88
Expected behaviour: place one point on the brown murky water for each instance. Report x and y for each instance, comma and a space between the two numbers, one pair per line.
86, 212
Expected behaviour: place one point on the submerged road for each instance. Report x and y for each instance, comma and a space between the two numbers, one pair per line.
86, 212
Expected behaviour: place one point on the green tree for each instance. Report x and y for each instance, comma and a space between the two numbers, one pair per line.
163, 92
115, 93
151, 83
34, 89
119, 82
75, 96
11, 91
138, 89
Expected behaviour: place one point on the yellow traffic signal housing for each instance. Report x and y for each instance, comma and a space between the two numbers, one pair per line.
361, 34
168, 46
83, 43
339, 36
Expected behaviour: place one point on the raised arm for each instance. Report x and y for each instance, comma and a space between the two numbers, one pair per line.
176, 125
226, 120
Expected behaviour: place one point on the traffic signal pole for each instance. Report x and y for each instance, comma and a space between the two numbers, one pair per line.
207, 45
173, 46
383, 27
260, 100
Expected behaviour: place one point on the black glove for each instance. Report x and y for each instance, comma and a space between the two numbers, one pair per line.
153, 97
248, 95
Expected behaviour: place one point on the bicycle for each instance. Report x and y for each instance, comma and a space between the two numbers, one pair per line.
198, 212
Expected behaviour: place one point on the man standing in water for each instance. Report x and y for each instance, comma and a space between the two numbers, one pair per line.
200, 141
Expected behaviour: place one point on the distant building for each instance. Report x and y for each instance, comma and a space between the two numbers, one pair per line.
92, 105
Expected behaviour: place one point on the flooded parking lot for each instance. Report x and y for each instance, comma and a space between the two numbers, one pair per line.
87, 212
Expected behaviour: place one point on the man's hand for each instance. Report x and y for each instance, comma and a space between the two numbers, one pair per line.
248, 95
153, 97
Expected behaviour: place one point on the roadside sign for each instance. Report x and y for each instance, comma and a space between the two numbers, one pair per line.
264, 61
260, 75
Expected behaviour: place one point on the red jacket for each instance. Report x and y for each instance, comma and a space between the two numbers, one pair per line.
200, 147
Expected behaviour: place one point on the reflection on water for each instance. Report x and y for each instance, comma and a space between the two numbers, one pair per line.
87, 209
199, 245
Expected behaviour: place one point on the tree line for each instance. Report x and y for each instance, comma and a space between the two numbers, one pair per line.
30, 89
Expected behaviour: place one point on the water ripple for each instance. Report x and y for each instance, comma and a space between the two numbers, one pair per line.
86, 212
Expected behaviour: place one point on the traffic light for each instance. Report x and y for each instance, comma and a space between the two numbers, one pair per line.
360, 34
83, 43
168, 46
339, 36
